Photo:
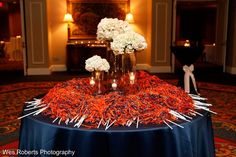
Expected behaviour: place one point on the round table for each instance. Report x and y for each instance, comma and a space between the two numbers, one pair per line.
41, 137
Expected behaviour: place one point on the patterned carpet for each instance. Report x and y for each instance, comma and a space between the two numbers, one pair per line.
12, 98
223, 99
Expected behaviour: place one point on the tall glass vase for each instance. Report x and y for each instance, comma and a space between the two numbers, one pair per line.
123, 72
128, 62
116, 73
122, 69
129, 67
96, 81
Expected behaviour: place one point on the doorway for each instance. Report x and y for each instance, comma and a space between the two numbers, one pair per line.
198, 22
11, 37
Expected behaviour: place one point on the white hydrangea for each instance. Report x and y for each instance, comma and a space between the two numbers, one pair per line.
108, 28
96, 63
128, 43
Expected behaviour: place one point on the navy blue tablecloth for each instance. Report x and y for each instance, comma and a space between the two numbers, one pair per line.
38, 135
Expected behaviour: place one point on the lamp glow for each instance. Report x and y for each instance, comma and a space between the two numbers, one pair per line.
129, 18
68, 18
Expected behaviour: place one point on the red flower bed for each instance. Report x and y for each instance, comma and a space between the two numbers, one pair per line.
150, 99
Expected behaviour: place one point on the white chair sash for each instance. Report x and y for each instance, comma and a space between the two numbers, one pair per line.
189, 74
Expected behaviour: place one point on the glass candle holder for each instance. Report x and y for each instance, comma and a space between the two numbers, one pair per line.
96, 80
132, 77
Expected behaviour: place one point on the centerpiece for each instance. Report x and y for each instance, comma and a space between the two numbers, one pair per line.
97, 66
123, 43
126, 45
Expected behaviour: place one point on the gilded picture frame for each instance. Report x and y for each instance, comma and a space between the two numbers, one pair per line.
88, 13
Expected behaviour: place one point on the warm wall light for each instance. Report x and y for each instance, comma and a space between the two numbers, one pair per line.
68, 18
129, 18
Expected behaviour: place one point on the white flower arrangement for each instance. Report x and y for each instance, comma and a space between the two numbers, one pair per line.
128, 43
96, 63
108, 28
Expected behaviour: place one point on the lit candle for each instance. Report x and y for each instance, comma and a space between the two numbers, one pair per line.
114, 85
92, 82
131, 78
187, 43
